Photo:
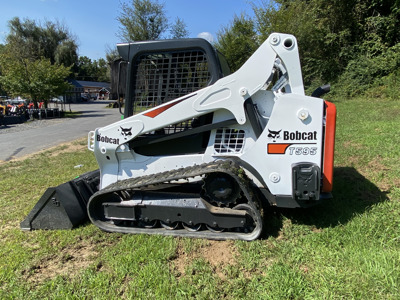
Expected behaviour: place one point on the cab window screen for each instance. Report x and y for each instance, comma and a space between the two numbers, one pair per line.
164, 76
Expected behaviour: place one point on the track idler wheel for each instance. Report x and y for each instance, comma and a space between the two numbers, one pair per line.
221, 189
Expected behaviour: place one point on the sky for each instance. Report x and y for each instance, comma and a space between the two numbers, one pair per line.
94, 22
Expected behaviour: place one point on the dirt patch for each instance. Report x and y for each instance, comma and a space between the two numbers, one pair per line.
315, 229
8, 226
53, 151
379, 173
352, 145
377, 165
67, 147
387, 186
375, 171
353, 161
68, 263
218, 254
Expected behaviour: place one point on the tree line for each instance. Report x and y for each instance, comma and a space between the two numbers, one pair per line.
38, 58
352, 44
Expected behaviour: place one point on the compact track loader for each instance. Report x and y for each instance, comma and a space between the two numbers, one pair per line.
200, 152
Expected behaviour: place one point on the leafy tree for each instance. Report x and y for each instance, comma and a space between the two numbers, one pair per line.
66, 53
336, 37
308, 22
142, 20
32, 40
2, 91
88, 70
178, 30
103, 70
237, 41
36, 59
38, 79
111, 54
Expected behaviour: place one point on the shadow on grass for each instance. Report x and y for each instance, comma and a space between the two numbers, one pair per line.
352, 193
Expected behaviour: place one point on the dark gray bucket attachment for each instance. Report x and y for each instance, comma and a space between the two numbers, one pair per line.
64, 206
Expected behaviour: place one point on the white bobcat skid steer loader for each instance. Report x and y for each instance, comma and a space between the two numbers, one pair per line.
200, 153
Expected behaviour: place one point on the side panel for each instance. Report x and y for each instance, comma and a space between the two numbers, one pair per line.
293, 135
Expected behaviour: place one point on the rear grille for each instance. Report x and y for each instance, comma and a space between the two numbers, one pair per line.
164, 76
228, 140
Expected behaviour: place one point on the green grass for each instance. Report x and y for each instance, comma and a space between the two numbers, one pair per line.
72, 114
348, 247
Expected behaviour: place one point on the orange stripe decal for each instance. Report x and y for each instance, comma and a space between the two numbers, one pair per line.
277, 148
155, 112
329, 149
158, 110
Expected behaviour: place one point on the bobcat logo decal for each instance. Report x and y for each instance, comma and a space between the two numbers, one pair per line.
274, 134
125, 132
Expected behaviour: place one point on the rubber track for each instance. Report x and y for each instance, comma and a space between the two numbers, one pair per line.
147, 182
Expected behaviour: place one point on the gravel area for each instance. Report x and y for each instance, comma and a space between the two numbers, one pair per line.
31, 125
20, 140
